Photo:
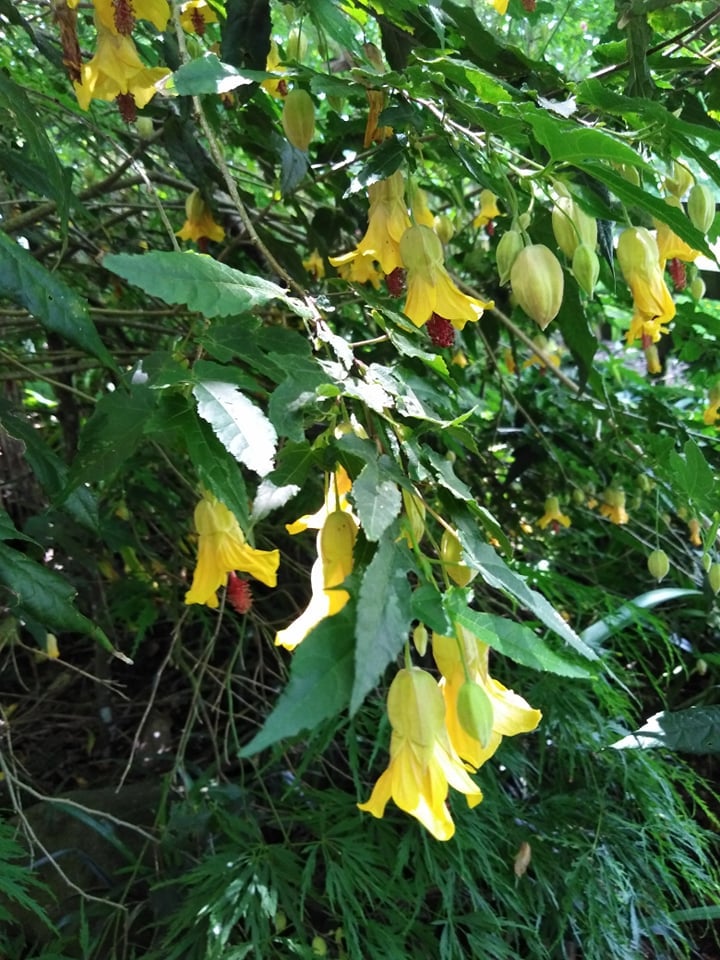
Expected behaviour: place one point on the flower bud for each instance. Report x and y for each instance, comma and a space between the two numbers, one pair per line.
680, 181
572, 226
586, 268
420, 638
195, 206
450, 554
701, 207
522, 859
421, 249
444, 228
298, 118
637, 252
697, 288
510, 245
628, 172
337, 539
296, 45
706, 561
414, 517
144, 127
658, 564
537, 282
475, 712
714, 577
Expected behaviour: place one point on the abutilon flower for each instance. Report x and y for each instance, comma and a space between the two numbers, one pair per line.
117, 71
423, 764
374, 133
387, 222
337, 530
276, 88
488, 206
119, 16
464, 658
553, 514
199, 224
711, 413
429, 287
222, 549
670, 246
613, 506
315, 265
195, 15
694, 529
639, 258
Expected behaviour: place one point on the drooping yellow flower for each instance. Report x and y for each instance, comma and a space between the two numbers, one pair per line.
116, 70
670, 246
553, 514
694, 529
275, 87
222, 549
499, 5
488, 203
315, 265
549, 347
199, 222
639, 260
429, 287
613, 506
711, 413
420, 209
337, 530
195, 15
423, 764
465, 657
387, 221
119, 16
360, 270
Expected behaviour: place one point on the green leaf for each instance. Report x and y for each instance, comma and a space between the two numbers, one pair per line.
292, 398
295, 461
599, 631
427, 607
112, 433
695, 730
378, 501
692, 474
205, 285
8, 530
513, 640
37, 592
384, 614
207, 75
241, 427
443, 469
321, 679
480, 556
579, 338
568, 142
26, 282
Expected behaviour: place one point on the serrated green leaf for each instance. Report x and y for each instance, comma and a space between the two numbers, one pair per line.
207, 74
27, 283
378, 501
569, 142
513, 640
295, 460
290, 400
695, 730
321, 679
241, 427
384, 614
205, 285
427, 607
443, 469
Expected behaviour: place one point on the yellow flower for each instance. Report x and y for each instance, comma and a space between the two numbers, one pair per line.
360, 270
465, 658
337, 530
423, 764
639, 257
499, 5
694, 528
711, 413
488, 201
387, 221
222, 548
376, 102
117, 69
195, 14
199, 221
670, 246
315, 265
118, 16
276, 88
614, 506
553, 514
429, 287
547, 346
420, 209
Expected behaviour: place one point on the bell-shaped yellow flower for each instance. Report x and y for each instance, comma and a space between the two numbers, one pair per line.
553, 514
195, 14
429, 287
315, 265
711, 413
423, 764
118, 16
222, 548
199, 222
465, 657
387, 221
639, 260
337, 530
117, 69
275, 87
670, 246
613, 506
488, 207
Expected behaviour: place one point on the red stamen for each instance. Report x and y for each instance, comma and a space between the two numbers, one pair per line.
395, 282
441, 331
124, 16
238, 593
126, 106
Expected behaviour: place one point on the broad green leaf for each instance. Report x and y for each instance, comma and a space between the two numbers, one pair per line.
42, 594
291, 400
692, 474
384, 614
58, 308
321, 679
294, 463
569, 142
598, 632
427, 607
112, 433
513, 640
695, 730
443, 469
207, 75
205, 285
241, 427
480, 556
246, 33
8, 530
377, 500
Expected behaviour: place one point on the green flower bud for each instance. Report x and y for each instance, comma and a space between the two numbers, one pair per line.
298, 118
537, 282
450, 556
510, 245
444, 228
706, 561
475, 712
701, 207
658, 564
572, 226
697, 288
420, 638
586, 268
680, 181
714, 577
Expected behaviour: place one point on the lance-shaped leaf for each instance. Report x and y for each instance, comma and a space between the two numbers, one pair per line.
241, 427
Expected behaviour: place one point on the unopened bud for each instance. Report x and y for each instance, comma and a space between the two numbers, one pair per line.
414, 517
420, 638
537, 281
337, 539
680, 181
475, 712
296, 46
572, 226
319, 947
522, 859
658, 564
586, 268
421, 249
714, 577
510, 245
706, 561
697, 288
444, 228
701, 207
298, 118
144, 127
450, 555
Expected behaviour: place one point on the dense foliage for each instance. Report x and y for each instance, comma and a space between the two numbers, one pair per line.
439, 281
